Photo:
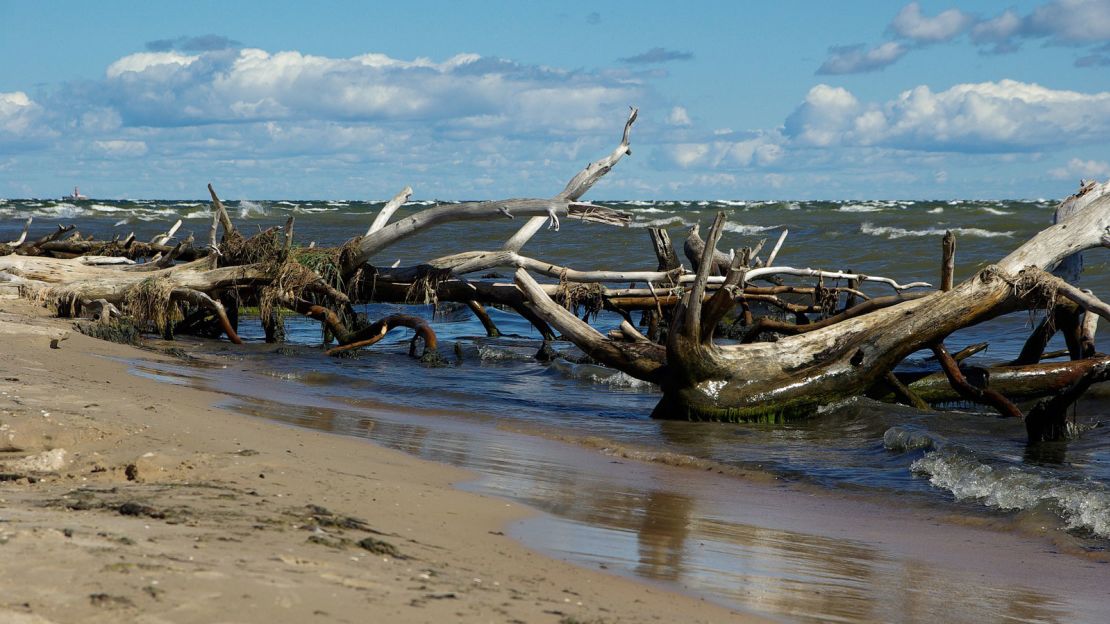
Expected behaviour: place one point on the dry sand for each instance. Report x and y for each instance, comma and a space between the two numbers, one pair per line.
125, 499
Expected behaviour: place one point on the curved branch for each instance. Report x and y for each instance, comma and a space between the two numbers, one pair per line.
388, 209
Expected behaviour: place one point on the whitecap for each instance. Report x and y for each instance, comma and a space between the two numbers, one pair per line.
740, 228
896, 232
198, 214
662, 222
106, 208
248, 208
860, 208
995, 211
937, 210
1082, 505
731, 202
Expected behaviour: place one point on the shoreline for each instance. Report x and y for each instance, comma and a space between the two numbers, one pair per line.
791, 552
165, 508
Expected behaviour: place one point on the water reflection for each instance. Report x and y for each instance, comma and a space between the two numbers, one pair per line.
604, 515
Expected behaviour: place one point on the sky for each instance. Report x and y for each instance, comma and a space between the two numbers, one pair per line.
478, 100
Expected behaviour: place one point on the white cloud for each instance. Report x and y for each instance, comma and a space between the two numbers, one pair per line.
1084, 169
170, 89
118, 148
1060, 22
679, 117
911, 24
1071, 21
689, 154
21, 119
856, 59
983, 117
997, 29
143, 61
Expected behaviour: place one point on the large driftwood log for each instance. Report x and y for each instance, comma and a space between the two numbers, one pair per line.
702, 380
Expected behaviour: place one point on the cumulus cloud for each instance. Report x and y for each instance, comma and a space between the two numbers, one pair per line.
1060, 22
251, 85
1076, 23
21, 119
1002, 116
858, 58
738, 150
911, 24
119, 148
679, 117
1084, 169
658, 55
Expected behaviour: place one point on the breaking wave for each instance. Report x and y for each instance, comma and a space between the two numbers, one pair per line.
1083, 505
897, 232
248, 209
860, 208
740, 228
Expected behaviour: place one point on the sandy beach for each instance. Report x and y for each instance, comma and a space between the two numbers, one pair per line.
124, 499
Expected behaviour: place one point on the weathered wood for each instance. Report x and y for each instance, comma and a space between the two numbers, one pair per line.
959, 382
388, 209
947, 260
483, 317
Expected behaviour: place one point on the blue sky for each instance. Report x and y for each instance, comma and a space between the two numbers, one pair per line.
355, 100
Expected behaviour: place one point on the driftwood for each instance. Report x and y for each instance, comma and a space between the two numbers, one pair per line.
823, 344
702, 380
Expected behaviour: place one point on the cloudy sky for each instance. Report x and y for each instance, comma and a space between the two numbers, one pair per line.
355, 100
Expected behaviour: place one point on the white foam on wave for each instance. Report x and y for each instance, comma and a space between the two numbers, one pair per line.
1082, 505
198, 214
730, 202
188, 204
740, 228
63, 210
896, 232
995, 211
620, 379
493, 354
640, 202
860, 208
937, 210
649, 210
286, 203
662, 222
247, 209
106, 208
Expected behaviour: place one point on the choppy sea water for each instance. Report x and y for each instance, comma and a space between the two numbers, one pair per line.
967, 461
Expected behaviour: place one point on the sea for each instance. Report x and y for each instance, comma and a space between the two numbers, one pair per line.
552, 434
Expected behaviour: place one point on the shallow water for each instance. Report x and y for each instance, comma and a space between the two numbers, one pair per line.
967, 462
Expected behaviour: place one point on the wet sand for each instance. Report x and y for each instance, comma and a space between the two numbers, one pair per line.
126, 499
164, 508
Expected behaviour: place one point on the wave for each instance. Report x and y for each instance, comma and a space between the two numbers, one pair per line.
896, 232
621, 379
247, 208
106, 208
730, 202
198, 214
936, 210
995, 211
860, 208
740, 228
649, 210
903, 439
662, 222
1082, 505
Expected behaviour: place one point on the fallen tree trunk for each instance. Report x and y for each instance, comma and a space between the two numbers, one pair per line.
702, 380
